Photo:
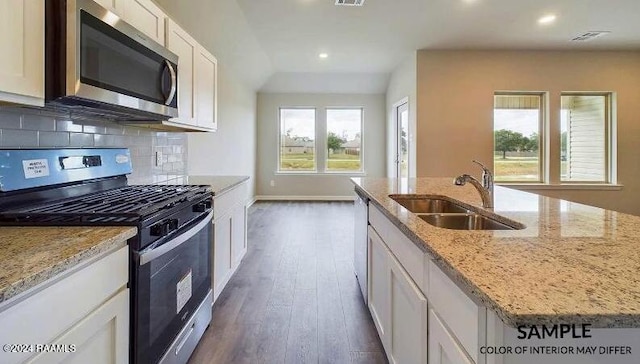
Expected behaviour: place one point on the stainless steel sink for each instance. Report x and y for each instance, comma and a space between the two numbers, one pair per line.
468, 221
426, 205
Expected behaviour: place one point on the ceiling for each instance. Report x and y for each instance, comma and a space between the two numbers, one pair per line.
376, 37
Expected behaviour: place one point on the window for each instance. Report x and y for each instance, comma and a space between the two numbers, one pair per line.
584, 128
297, 140
517, 125
344, 140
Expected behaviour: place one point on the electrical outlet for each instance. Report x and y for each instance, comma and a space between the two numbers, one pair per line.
273, 183
158, 158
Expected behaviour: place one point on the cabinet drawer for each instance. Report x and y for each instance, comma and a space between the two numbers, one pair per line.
45, 315
224, 203
465, 319
408, 254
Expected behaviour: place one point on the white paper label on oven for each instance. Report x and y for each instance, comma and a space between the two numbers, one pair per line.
183, 291
121, 158
34, 168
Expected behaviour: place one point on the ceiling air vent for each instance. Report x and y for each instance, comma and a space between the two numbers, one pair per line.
350, 2
590, 36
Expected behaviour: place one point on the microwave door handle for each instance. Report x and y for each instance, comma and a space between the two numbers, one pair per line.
172, 75
155, 253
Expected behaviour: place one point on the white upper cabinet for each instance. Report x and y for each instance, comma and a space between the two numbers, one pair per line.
206, 89
147, 17
22, 41
115, 6
181, 43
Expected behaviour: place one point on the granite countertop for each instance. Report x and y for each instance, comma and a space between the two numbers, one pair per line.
219, 184
32, 255
572, 263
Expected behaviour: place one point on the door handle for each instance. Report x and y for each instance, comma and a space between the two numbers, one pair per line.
172, 89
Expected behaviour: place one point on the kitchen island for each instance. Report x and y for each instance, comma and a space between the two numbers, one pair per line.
571, 265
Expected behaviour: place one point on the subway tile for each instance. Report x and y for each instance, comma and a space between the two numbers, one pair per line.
19, 138
93, 127
113, 128
9, 120
53, 139
81, 140
68, 125
38, 122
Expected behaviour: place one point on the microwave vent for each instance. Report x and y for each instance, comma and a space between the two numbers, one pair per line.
349, 2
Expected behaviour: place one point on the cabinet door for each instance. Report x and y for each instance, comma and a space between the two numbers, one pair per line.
443, 348
101, 337
408, 317
146, 17
115, 6
206, 89
22, 41
238, 235
221, 254
378, 285
183, 45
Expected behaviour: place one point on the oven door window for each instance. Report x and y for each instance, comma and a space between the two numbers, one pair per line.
168, 291
111, 60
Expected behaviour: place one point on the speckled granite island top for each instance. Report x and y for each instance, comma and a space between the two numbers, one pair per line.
32, 255
219, 184
571, 264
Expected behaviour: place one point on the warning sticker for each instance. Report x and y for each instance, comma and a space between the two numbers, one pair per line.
183, 291
34, 168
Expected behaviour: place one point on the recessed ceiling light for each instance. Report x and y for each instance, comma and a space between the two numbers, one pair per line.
323, 55
547, 19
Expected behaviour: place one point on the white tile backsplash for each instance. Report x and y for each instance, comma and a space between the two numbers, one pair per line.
29, 128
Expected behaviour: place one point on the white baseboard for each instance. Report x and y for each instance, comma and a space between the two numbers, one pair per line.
252, 201
303, 198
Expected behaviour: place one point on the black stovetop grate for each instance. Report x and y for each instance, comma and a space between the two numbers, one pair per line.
123, 205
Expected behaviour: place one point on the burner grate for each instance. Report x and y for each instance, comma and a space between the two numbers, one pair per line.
117, 206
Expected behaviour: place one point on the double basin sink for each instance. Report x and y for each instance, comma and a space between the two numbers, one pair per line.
450, 215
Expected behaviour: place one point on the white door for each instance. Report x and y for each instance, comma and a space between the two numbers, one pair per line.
408, 317
221, 254
22, 44
402, 139
101, 338
378, 285
115, 6
206, 89
186, 48
443, 348
238, 236
147, 17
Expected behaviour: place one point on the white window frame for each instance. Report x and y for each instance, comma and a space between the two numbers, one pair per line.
550, 133
326, 149
542, 135
608, 123
279, 143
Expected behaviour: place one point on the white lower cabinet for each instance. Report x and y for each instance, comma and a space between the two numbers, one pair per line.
100, 338
443, 348
85, 313
229, 235
378, 285
398, 307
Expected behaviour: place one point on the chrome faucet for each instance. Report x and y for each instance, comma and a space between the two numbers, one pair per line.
485, 188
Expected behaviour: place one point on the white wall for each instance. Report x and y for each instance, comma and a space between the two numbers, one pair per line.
232, 149
318, 185
402, 84
455, 109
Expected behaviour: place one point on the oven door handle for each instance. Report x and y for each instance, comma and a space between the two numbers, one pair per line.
155, 253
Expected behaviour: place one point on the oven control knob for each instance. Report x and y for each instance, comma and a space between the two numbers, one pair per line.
164, 228
202, 206
159, 229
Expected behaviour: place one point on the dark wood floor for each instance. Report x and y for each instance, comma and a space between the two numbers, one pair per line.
295, 298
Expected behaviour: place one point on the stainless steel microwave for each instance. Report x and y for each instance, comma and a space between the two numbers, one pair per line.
97, 64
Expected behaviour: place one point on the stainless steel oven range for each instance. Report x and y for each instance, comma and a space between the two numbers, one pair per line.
170, 264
